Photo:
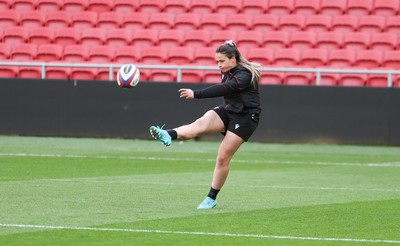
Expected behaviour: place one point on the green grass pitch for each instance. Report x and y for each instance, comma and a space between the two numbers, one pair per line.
80, 191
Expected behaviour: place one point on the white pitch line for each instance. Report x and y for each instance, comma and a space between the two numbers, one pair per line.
384, 164
93, 180
218, 234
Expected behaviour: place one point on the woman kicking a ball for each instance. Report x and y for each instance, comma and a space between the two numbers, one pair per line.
237, 118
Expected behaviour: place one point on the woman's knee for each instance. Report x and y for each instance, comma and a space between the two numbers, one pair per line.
223, 159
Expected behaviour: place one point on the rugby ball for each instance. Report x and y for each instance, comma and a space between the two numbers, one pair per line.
128, 76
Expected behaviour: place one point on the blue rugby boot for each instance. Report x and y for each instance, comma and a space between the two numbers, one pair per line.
161, 135
208, 203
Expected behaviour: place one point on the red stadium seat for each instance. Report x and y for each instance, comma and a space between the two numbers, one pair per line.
15, 35
29, 72
314, 57
67, 36
135, 21
74, 6
24, 5
128, 54
280, 7
291, 23
276, 39
378, 80
286, 57
329, 7
344, 23
261, 55
359, 7
32, 18
23, 52
41, 35
371, 24
48, 6
5, 50
145, 74
159, 75
254, 7
187, 21
84, 20
212, 76
369, 59
297, 78
101, 54
192, 76
393, 24
118, 37
197, 38
249, 39
180, 55
353, 80
391, 59
202, 6
341, 58
219, 37
356, 41
204, 56
161, 21
49, 52
271, 78
8, 72
151, 6
213, 22
104, 74
176, 6
57, 72
228, 6
396, 81
58, 19
318, 23
327, 79
384, 41
109, 20
154, 55
126, 6
385, 8
265, 23
302, 40
306, 7
239, 22
75, 53
5, 4
145, 37
171, 38
9, 17
93, 37
100, 6
329, 40
83, 73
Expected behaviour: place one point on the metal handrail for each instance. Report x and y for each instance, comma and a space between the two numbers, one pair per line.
112, 66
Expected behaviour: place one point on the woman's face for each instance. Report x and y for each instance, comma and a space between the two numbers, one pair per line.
224, 63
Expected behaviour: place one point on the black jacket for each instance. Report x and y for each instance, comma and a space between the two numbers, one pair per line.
240, 96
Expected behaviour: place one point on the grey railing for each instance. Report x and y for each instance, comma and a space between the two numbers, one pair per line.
179, 69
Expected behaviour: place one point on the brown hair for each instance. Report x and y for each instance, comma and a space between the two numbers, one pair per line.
229, 49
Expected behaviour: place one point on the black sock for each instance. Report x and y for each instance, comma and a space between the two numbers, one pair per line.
213, 193
173, 134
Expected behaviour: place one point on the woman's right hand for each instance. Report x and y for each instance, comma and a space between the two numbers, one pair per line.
186, 93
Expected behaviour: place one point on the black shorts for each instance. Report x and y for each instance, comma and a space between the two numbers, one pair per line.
242, 125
